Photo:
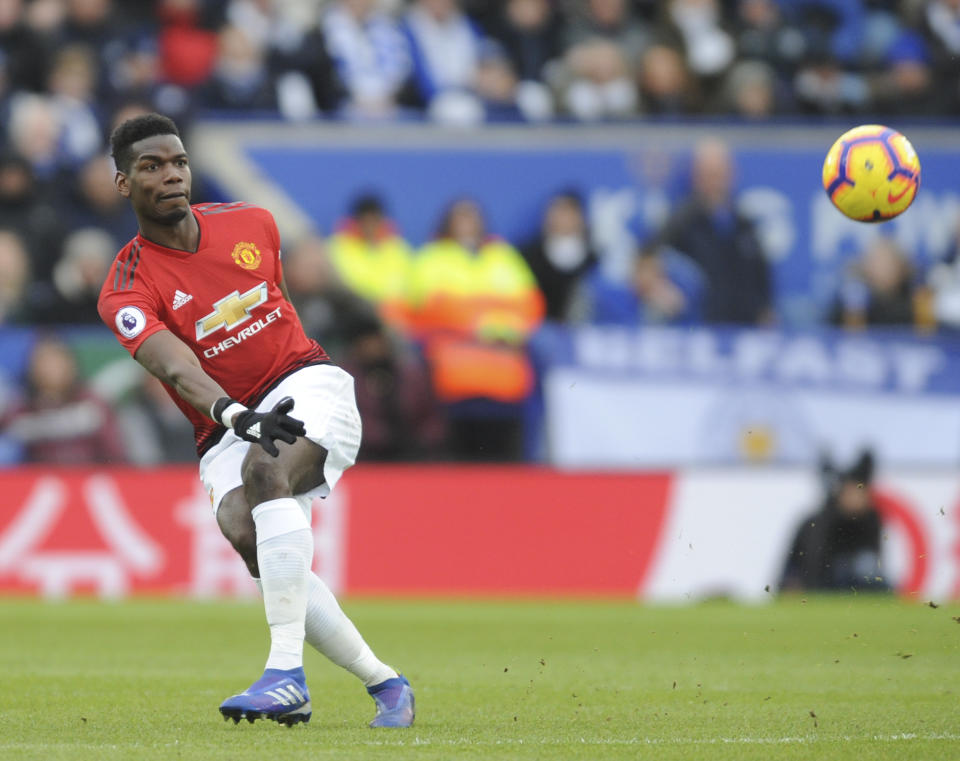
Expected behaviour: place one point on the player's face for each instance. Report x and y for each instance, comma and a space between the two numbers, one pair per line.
158, 184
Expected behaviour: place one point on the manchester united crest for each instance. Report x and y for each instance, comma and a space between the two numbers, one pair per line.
246, 255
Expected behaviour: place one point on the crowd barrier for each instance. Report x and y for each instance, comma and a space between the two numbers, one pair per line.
466, 530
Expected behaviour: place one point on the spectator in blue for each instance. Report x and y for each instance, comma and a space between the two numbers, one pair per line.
459, 73
722, 241
665, 288
939, 22
371, 54
905, 86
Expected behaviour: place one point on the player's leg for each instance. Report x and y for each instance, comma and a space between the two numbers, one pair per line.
329, 411
284, 552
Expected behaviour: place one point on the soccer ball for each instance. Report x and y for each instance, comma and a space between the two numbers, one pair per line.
871, 173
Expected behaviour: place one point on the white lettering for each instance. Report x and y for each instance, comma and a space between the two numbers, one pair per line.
913, 366
806, 360
860, 363
754, 353
243, 335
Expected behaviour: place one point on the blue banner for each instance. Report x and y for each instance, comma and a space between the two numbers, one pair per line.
827, 360
629, 190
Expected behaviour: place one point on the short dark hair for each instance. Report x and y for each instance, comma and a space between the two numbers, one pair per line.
136, 129
368, 203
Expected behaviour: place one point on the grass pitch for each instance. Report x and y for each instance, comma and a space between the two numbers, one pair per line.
832, 678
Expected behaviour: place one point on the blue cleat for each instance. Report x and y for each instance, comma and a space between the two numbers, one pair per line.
395, 704
278, 695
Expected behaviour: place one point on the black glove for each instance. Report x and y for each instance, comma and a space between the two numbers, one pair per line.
264, 428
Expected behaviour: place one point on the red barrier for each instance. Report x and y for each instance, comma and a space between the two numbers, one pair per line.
443, 529
502, 529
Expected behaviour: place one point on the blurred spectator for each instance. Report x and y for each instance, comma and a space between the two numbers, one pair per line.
60, 422
561, 255
457, 72
666, 87
72, 84
14, 278
370, 256
77, 279
905, 84
188, 49
665, 288
34, 132
30, 211
530, 32
722, 241
371, 53
823, 86
762, 33
697, 26
750, 91
154, 429
474, 302
401, 417
326, 307
604, 48
97, 203
240, 78
878, 290
610, 20
944, 284
21, 50
939, 22
838, 547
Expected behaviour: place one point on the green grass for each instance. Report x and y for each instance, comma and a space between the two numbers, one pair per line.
842, 678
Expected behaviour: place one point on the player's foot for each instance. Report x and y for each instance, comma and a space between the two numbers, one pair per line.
395, 704
278, 695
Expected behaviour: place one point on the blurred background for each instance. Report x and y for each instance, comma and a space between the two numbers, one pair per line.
608, 333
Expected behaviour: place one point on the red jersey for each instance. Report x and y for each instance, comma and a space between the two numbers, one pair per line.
223, 301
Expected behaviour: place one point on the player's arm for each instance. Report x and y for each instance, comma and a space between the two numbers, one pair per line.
171, 360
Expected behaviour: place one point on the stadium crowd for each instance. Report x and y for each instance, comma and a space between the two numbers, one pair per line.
70, 70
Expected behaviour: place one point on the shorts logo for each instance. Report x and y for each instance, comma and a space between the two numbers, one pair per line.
130, 322
246, 255
231, 310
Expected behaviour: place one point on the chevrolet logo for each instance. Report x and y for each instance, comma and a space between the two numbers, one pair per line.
231, 310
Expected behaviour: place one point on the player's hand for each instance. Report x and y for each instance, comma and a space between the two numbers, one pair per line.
264, 428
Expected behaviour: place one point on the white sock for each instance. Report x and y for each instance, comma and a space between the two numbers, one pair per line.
334, 635
330, 631
284, 554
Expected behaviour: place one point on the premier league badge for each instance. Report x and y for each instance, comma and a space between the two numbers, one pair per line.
131, 321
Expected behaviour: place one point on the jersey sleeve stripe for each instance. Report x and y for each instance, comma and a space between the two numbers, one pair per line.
229, 207
133, 269
126, 269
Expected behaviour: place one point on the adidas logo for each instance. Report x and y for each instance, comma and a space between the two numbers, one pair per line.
287, 695
180, 298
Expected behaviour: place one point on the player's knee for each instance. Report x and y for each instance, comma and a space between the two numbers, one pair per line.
263, 480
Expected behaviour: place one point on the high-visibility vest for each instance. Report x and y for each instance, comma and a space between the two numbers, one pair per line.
378, 270
473, 311
489, 294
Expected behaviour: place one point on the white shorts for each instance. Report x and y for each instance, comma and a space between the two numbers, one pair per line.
324, 400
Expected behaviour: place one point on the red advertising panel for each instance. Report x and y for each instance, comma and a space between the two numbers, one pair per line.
500, 530
461, 530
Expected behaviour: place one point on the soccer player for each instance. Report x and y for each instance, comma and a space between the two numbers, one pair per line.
198, 298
